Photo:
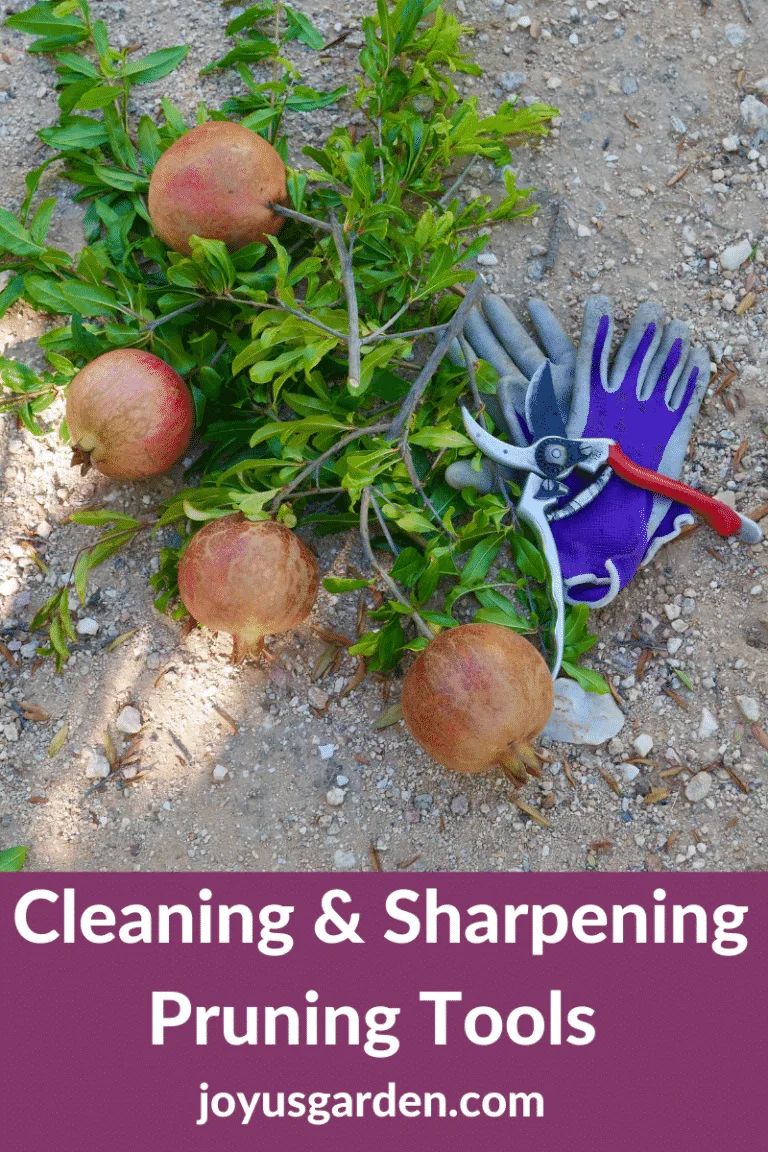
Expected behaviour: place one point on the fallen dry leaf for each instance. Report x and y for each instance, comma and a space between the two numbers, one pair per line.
760, 735
33, 712
121, 639
746, 303
737, 780
392, 715
332, 637
732, 822
678, 176
611, 781
630, 121
530, 811
671, 841
740, 453
59, 740
409, 862
677, 698
569, 774
8, 655
38, 800
376, 859
656, 795
601, 846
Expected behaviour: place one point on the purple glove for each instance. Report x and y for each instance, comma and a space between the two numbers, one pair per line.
647, 401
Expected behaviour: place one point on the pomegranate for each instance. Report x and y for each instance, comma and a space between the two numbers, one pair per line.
129, 414
476, 698
252, 579
215, 181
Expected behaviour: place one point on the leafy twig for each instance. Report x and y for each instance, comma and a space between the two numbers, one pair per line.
314, 465
451, 330
365, 505
350, 292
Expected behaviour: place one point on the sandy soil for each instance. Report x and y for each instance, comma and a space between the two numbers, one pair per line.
646, 90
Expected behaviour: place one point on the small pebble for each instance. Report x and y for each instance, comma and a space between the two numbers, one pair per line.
220, 773
129, 721
97, 767
643, 744
460, 806
730, 143
512, 81
344, 861
708, 725
732, 257
487, 259
750, 708
326, 751
317, 698
698, 787
735, 35
87, 626
335, 797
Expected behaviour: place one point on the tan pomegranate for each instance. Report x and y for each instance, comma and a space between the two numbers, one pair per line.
252, 579
129, 414
476, 698
215, 181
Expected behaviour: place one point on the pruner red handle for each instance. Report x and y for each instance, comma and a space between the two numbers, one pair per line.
719, 516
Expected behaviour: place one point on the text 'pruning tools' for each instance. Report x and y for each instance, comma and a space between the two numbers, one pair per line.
552, 456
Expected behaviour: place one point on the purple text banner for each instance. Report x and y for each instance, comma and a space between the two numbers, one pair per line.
402, 1012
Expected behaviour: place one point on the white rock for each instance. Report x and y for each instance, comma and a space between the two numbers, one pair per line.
708, 725
674, 644
487, 259
761, 86
43, 530
732, 257
581, 717
220, 773
87, 626
750, 708
629, 772
344, 861
642, 744
98, 767
730, 143
9, 587
672, 611
129, 721
583, 231
11, 733
754, 113
326, 751
735, 35
317, 698
698, 787
335, 797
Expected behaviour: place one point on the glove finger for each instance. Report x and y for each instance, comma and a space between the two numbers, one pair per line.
668, 363
486, 346
555, 341
456, 356
691, 388
691, 385
636, 353
591, 360
461, 474
518, 343
510, 394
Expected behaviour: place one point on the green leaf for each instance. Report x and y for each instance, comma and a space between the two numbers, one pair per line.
12, 859
12, 292
89, 299
408, 567
100, 517
14, 237
97, 97
300, 28
589, 680
41, 222
156, 65
437, 438
480, 559
507, 618
149, 143
75, 132
336, 584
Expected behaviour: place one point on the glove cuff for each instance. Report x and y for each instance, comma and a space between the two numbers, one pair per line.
587, 580
680, 521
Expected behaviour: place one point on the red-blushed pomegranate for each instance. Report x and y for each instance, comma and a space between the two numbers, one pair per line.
215, 181
129, 414
476, 697
252, 579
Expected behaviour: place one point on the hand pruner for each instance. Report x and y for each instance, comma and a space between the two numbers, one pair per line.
553, 456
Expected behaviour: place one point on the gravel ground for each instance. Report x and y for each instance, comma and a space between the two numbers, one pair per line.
658, 167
